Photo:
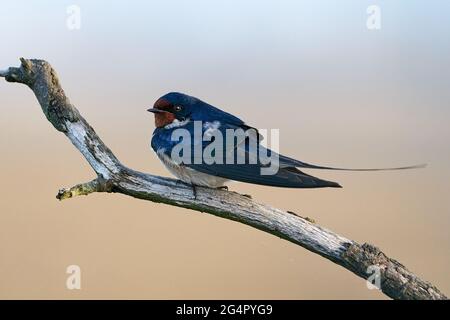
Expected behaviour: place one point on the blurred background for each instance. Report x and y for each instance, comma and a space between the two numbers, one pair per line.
340, 93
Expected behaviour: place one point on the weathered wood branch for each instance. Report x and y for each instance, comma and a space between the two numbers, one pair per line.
396, 281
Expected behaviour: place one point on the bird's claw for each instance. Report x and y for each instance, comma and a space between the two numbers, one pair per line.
194, 191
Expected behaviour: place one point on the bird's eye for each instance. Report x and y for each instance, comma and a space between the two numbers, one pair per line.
177, 108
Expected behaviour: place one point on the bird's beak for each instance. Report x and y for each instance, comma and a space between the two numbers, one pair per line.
154, 110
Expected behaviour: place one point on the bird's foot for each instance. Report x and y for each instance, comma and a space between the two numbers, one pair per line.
194, 191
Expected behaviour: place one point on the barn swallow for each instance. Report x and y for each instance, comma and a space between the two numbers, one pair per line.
175, 111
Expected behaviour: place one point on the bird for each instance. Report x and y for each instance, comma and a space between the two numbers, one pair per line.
174, 111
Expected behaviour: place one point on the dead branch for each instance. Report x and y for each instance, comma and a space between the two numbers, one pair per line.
396, 281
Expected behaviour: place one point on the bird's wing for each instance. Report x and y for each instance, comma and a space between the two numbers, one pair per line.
287, 162
251, 173
251, 170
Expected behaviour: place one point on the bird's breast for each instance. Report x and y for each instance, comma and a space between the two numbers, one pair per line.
189, 175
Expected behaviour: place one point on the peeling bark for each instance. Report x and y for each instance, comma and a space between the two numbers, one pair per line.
113, 177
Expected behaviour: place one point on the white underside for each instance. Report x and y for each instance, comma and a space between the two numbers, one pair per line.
191, 176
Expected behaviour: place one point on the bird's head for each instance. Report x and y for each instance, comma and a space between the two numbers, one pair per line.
172, 107
181, 108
